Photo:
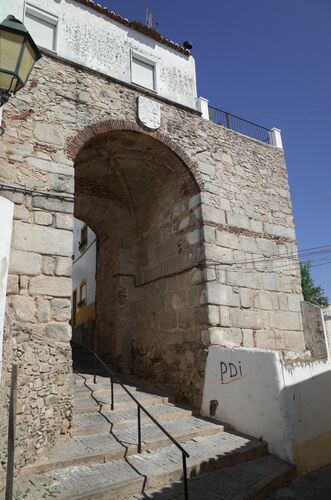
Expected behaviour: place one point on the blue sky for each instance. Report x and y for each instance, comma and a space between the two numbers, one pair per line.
269, 62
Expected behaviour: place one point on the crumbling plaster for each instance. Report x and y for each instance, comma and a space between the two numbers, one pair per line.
88, 38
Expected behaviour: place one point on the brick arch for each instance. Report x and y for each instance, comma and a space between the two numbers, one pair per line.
83, 137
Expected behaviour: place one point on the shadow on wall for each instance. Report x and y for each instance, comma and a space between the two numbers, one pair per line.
289, 406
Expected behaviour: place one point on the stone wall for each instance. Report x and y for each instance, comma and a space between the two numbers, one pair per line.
314, 330
37, 330
224, 209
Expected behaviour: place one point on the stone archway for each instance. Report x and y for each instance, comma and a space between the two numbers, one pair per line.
139, 196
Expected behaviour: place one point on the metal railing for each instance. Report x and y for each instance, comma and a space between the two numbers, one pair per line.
140, 408
240, 125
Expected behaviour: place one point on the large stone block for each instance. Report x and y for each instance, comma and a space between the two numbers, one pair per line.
53, 204
50, 166
213, 214
227, 240
286, 320
294, 341
43, 218
267, 247
63, 266
221, 295
64, 221
218, 254
42, 310
24, 308
256, 320
50, 285
61, 332
12, 284
247, 244
236, 220
27, 263
246, 298
229, 337
49, 133
46, 240
245, 278
265, 339
283, 231
61, 309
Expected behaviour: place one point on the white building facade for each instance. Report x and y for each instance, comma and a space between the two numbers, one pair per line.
107, 44
83, 275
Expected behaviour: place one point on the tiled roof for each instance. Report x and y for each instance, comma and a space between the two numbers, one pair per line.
135, 25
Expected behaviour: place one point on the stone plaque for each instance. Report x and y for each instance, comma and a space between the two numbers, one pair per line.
149, 113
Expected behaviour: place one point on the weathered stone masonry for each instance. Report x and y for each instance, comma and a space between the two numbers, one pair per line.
194, 213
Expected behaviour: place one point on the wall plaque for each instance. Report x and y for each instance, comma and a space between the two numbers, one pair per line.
149, 113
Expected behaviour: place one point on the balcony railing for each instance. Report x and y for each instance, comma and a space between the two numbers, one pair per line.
240, 125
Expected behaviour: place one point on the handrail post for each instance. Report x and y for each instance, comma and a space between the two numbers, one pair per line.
94, 358
112, 393
185, 477
227, 117
139, 429
11, 434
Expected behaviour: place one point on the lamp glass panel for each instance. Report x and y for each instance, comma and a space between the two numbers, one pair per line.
9, 82
27, 62
10, 48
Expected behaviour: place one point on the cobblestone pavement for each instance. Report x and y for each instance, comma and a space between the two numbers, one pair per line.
313, 486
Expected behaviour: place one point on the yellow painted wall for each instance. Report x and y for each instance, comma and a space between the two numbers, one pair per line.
313, 453
85, 313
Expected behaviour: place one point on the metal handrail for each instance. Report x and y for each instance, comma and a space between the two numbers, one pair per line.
238, 124
140, 407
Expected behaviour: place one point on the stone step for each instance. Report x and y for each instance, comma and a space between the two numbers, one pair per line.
253, 479
94, 423
122, 401
91, 390
98, 448
82, 380
121, 479
130, 381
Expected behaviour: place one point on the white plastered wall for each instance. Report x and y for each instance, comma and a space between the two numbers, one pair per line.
6, 222
89, 38
289, 406
84, 263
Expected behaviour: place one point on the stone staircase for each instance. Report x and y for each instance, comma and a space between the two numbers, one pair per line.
100, 459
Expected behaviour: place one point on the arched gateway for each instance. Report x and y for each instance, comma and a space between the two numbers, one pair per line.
139, 196
190, 218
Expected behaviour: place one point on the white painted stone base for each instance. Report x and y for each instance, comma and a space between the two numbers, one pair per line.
289, 406
6, 221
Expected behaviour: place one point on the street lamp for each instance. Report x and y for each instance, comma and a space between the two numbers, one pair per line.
18, 54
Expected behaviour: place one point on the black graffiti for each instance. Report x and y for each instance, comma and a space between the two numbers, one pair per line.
230, 370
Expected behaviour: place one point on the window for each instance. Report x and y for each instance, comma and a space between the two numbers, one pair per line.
42, 26
143, 72
83, 238
82, 294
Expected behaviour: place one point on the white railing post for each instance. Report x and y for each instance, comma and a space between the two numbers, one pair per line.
275, 135
202, 106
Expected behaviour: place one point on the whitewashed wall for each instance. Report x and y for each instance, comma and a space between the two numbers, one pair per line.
6, 221
84, 264
289, 406
87, 37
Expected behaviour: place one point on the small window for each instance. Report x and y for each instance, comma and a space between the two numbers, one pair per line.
83, 238
82, 294
143, 72
42, 26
